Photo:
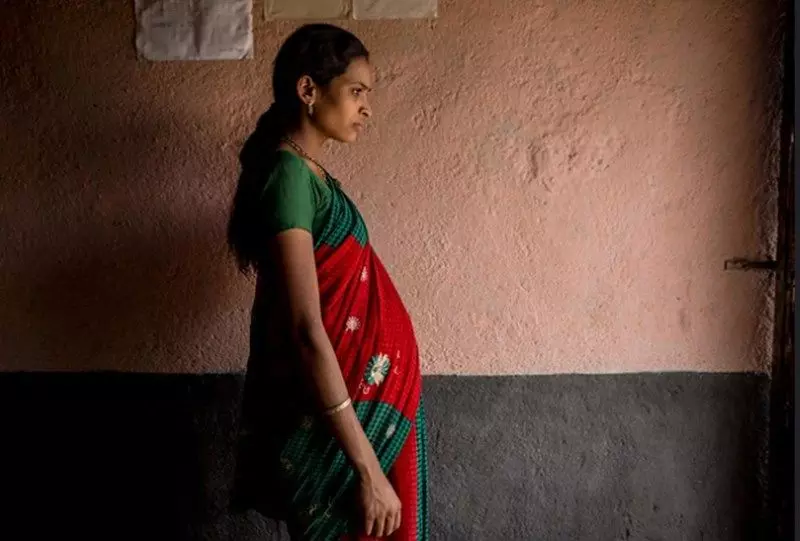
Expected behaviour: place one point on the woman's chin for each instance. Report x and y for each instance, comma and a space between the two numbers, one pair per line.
355, 132
351, 137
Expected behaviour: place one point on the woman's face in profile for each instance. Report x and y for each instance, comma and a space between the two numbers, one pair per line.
343, 109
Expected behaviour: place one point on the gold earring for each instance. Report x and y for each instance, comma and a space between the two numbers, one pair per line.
310, 109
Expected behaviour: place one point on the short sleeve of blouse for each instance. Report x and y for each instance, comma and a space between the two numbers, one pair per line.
288, 200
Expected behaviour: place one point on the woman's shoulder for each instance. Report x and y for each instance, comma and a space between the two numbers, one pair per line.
288, 166
289, 198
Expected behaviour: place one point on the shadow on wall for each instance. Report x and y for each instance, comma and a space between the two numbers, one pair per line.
123, 457
111, 258
95, 289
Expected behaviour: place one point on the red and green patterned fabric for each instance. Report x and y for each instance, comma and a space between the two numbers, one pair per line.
373, 337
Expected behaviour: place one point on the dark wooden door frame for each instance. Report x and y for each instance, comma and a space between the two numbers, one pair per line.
782, 419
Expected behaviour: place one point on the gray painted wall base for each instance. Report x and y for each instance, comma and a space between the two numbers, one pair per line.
643, 457
548, 458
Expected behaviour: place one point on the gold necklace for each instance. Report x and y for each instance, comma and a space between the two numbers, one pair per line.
297, 148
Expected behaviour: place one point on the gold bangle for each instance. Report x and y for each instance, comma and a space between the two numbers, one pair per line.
336, 409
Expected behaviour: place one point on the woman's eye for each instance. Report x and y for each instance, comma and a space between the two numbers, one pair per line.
356, 92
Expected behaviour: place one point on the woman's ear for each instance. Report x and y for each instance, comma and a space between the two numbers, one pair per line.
306, 90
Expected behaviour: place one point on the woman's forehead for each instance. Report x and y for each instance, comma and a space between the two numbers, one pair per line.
358, 72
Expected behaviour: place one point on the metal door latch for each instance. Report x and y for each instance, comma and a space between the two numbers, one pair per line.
741, 264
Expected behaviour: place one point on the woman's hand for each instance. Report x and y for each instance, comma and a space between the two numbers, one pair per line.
379, 504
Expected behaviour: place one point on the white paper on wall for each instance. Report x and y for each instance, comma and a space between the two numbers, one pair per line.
394, 9
194, 29
307, 9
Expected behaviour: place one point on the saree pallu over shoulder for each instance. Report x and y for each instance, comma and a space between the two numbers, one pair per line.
373, 337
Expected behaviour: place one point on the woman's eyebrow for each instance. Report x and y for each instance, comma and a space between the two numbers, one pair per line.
359, 83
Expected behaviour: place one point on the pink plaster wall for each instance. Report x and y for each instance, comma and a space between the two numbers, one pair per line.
554, 186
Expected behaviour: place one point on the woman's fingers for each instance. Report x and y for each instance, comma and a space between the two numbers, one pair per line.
369, 523
379, 522
397, 521
388, 528
391, 518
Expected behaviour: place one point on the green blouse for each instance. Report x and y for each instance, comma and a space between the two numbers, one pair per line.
295, 197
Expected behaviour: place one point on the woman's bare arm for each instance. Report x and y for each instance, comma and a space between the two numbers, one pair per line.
293, 255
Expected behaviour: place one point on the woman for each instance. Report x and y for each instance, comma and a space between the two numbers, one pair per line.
336, 430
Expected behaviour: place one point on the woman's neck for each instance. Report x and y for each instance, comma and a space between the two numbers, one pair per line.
309, 139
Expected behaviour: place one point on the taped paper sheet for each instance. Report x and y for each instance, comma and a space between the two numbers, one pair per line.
307, 9
194, 29
394, 9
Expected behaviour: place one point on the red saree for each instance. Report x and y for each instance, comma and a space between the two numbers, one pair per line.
374, 341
